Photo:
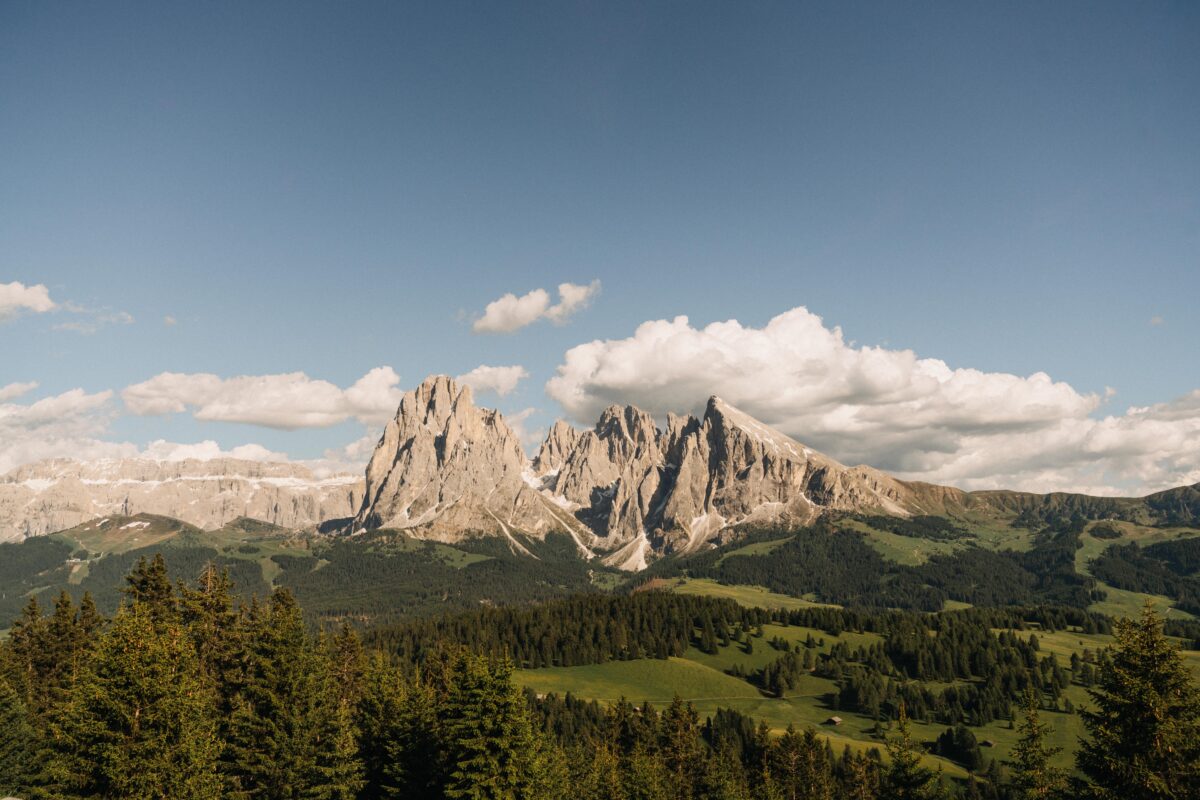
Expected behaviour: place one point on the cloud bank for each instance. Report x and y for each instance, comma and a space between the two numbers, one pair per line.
71, 424
288, 401
511, 313
67, 425
914, 416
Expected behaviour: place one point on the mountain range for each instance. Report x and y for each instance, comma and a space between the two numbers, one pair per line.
626, 490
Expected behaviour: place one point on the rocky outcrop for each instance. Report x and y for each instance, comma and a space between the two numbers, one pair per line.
445, 469
559, 443
625, 490
645, 491
49, 496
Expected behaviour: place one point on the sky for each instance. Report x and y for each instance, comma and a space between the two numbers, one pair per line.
957, 241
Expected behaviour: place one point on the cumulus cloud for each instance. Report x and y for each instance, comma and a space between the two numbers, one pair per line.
162, 450
511, 313
67, 425
16, 298
1157, 320
74, 425
889, 408
15, 390
287, 401
501, 380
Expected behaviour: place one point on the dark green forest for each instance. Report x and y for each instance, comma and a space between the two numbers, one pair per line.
185, 692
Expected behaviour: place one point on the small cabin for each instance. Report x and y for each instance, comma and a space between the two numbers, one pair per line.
987, 743
833, 721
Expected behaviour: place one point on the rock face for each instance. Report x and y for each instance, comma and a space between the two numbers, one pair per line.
54, 495
624, 490
445, 470
554, 451
643, 491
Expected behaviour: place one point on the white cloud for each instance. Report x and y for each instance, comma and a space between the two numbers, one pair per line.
66, 425
16, 298
571, 298
511, 313
170, 321
288, 401
501, 380
889, 408
73, 425
1157, 320
162, 450
15, 390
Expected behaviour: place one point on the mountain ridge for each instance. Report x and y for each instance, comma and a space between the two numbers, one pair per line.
625, 490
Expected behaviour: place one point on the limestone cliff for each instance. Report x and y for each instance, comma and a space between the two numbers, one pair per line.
49, 496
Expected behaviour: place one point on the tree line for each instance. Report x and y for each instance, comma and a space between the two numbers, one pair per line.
185, 693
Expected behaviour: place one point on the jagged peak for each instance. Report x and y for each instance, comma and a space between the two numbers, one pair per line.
439, 393
719, 412
629, 421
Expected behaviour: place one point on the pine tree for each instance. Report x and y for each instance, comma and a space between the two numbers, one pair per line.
799, 767
724, 776
25, 658
862, 780
210, 617
149, 585
348, 664
16, 743
906, 779
1144, 733
644, 777
680, 746
397, 724
487, 733
288, 735
1032, 776
139, 723
596, 772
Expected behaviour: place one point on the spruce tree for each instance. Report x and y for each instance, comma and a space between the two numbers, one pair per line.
1033, 778
800, 768
724, 776
487, 734
906, 778
16, 743
139, 723
288, 735
25, 657
862, 779
680, 746
149, 585
1143, 738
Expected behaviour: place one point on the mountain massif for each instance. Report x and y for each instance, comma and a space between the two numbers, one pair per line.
626, 490
49, 496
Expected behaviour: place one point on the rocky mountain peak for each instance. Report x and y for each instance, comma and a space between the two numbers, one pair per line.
445, 469
559, 443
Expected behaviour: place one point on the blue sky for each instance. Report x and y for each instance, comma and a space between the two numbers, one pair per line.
331, 188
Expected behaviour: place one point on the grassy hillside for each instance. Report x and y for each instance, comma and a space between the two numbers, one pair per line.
704, 679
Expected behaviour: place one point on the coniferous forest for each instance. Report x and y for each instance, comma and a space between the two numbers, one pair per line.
187, 693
